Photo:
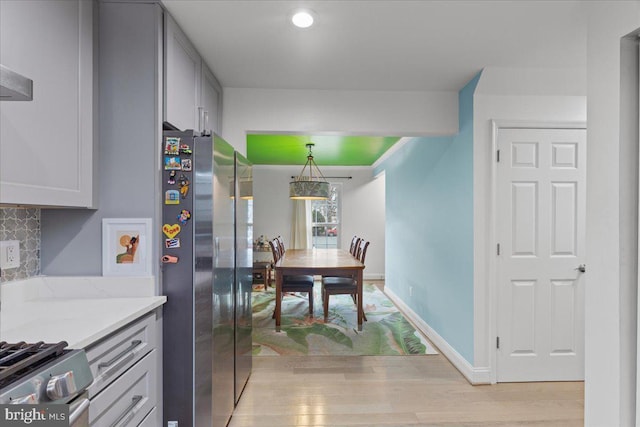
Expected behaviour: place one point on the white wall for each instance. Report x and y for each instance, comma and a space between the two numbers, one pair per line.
363, 214
362, 208
344, 112
536, 95
629, 162
607, 390
533, 81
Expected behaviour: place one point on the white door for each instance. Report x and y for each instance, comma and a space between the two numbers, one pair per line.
541, 178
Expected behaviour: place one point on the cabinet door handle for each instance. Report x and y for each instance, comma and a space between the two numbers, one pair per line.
121, 355
200, 119
129, 411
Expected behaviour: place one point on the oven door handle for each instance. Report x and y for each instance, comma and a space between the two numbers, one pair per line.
77, 409
121, 355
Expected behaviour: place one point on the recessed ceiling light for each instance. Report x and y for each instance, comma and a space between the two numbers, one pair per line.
302, 18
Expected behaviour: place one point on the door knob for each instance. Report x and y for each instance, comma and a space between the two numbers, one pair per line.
581, 268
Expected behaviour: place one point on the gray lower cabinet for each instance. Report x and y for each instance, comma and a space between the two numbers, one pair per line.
129, 400
152, 420
126, 376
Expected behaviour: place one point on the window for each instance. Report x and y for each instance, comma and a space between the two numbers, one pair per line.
325, 219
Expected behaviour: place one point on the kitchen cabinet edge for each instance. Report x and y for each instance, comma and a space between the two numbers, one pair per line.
47, 194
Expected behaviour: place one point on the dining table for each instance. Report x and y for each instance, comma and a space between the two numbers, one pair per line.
318, 262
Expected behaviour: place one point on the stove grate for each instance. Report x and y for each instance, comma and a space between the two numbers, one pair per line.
19, 358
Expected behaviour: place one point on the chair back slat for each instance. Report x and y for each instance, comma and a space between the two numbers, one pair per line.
275, 250
357, 247
354, 245
280, 245
362, 250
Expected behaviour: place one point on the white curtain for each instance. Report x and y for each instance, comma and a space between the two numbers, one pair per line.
301, 224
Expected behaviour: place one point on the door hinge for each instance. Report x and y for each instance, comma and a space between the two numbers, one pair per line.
498, 156
497, 342
498, 248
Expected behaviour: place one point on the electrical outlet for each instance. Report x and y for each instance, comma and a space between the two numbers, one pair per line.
10, 254
410, 291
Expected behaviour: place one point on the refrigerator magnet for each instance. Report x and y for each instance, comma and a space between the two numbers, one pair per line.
186, 164
185, 149
172, 243
171, 145
171, 230
168, 259
184, 216
172, 163
171, 197
172, 178
183, 183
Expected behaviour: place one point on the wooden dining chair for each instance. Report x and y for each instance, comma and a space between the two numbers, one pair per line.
280, 245
361, 250
343, 285
353, 248
293, 283
355, 240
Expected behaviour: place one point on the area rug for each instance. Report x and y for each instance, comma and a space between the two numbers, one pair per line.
387, 332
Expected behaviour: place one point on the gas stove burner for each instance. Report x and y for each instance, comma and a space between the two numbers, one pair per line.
18, 359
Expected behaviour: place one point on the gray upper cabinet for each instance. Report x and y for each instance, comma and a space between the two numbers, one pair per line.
193, 96
210, 101
47, 144
182, 78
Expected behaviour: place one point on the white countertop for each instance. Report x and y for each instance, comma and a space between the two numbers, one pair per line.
78, 310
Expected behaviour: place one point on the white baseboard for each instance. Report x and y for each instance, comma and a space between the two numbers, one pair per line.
475, 375
374, 276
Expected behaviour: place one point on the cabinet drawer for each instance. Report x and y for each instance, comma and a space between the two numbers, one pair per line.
151, 420
128, 400
111, 357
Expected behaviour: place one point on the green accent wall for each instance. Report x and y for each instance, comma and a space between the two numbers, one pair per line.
329, 150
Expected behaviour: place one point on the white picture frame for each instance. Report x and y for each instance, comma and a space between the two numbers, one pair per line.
126, 246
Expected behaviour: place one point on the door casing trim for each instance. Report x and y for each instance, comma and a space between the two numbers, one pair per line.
492, 241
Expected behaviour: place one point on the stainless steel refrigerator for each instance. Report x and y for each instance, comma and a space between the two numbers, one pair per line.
206, 276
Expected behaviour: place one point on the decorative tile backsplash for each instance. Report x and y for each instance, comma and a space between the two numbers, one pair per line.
22, 225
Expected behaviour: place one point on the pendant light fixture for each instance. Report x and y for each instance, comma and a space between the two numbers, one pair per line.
309, 187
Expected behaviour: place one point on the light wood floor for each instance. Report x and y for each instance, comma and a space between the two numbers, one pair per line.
372, 391
395, 391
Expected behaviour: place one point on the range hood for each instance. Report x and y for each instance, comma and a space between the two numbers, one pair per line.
14, 87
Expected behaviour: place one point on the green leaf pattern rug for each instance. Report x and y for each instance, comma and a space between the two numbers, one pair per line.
387, 332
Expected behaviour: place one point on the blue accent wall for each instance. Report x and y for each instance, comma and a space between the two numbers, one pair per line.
429, 228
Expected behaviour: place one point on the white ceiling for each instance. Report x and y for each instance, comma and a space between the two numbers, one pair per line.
379, 45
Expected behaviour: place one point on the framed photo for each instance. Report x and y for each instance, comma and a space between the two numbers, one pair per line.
126, 246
